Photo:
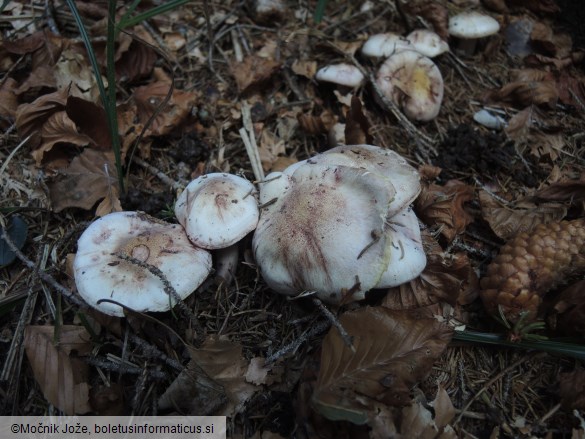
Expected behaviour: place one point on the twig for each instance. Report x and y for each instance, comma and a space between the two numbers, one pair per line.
249, 139
159, 174
317, 329
331, 317
153, 352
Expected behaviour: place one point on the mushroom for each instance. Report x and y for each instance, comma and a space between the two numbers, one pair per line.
342, 74
385, 45
217, 210
336, 222
469, 27
427, 42
414, 83
101, 274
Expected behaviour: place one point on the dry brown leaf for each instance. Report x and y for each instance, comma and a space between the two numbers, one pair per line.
317, 124
25, 45
31, 117
149, 98
271, 147
540, 7
253, 71
107, 400
8, 102
91, 119
519, 125
563, 191
446, 278
569, 307
61, 376
523, 94
434, 13
507, 222
41, 77
304, 68
357, 127
223, 361
443, 206
72, 72
572, 389
135, 63
392, 352
90, 177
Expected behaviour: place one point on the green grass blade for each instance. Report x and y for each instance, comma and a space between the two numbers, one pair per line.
319, 11
550, 346
161, 9
112, 118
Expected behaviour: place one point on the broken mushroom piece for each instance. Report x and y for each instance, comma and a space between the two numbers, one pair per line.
427, 42
469, 27
414, 83
342, 74
217, 210
101, 274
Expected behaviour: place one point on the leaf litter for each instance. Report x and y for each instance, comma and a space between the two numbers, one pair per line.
484, 187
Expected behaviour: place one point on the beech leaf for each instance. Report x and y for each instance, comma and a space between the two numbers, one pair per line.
60, 374
393, 351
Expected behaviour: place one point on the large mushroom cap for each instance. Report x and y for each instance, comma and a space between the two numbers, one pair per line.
325, 233
100, 274
384, 45
217, 210
427, 42
472, 24
414, 83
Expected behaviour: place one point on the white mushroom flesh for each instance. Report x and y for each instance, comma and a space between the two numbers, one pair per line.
100, 274
414, 83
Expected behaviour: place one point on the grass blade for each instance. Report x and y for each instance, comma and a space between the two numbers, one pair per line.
161, 9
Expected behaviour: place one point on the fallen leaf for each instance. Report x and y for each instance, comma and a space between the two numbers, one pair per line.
304, 68
257, 372
8, 102
357, 127
41, 77
136, 62
382, 369
61, 376
563, 191
448, 278
252, 71
443, 206
572, 389
72, 72
223, 361
435, 13
270, 149
26, 44
91, 120
569, 307
90, 177
107, 400
507, 222
523, 94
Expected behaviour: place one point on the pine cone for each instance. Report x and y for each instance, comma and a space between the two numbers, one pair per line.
531, 264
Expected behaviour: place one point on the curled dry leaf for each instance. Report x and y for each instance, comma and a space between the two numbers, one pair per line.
443, 206
357, 126
253, 71
563, 191
572, 389
135, 63
90, 177
392, 352
507, 222
60, 374
523, 94
446, 278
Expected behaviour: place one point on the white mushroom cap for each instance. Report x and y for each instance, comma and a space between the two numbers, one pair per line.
472, 24
384, 45
403, 179
342, 74
407, 255
99, 274
320, 235
427, 42
217, 210
414, 83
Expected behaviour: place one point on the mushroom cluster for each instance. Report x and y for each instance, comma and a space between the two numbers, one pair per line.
118, 253
339, 224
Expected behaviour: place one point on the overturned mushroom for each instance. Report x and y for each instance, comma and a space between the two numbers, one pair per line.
341, 74
427, 42
334, 223
101, 272
384, 45
217, 210
414, 83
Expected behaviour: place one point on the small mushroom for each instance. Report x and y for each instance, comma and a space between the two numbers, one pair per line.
427, 42
217, 210
101, 274
342, 74
414, 83
385, 45
469, 27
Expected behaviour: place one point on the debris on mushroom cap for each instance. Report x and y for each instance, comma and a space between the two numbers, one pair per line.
100, 274
217, 210
407, 255
427, 42
325, 233
472, 24
326, 211
414, 83
384, 45
342, 74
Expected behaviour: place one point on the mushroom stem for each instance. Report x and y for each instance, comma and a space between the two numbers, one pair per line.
226, 264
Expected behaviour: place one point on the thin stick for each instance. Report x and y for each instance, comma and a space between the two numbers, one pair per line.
159, 174
317, 329
249, 139
331, 317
